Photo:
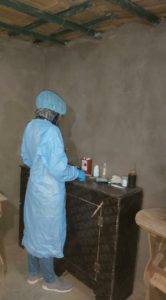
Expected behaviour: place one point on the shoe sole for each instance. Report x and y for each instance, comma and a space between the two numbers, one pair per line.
56, 290
34, 281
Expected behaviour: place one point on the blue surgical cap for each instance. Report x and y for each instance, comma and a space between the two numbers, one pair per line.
50, 100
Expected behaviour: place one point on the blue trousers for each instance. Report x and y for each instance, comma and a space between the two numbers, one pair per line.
43, 266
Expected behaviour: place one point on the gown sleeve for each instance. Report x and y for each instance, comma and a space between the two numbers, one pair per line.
54, 157
24, 154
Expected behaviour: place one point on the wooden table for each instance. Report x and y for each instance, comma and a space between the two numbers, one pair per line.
153, 220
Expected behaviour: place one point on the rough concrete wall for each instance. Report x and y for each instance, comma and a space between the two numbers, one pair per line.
115, 90
21, 76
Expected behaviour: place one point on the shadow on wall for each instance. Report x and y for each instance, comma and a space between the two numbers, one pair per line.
66, 127
14, 117
7, 222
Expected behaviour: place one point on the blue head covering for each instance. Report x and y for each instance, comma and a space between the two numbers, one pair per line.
50, 100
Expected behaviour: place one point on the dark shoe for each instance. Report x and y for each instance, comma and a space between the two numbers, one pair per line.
57, 286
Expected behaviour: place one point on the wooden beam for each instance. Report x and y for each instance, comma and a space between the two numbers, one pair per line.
65, 13
34, 35
137, 10
24, 8
100, 20
89, 24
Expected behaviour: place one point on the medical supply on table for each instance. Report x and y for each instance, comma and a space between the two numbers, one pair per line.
96, 171
104, 173
115, 179
86, 165
132, 177
124, 181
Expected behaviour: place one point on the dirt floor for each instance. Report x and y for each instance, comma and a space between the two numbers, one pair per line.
13, 285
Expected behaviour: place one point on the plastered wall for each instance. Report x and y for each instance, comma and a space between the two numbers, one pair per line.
115, 90
21, 76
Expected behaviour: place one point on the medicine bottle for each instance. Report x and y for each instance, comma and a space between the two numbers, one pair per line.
132, 178
104, 170
96, 171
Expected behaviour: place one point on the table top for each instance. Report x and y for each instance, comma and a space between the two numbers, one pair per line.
105, 188
153, 220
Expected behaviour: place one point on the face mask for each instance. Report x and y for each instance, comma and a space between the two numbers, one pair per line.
56, 119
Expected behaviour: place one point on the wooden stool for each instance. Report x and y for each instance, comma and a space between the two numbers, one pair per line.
154, 221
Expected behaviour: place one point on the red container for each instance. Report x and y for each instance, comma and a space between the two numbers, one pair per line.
86, 165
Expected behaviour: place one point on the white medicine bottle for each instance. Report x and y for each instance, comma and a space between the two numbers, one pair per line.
96, 171
104, 174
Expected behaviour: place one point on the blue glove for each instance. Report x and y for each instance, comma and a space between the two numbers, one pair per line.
81, 176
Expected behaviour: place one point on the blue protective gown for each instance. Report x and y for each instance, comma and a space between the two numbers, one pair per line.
44, 209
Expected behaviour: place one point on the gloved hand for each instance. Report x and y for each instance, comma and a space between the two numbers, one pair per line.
81, 176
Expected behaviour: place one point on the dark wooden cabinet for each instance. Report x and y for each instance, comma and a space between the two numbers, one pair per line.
102, 236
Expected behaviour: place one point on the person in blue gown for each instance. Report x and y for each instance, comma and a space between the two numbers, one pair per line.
44, 209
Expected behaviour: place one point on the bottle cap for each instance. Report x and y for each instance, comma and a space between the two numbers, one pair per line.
132, 172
